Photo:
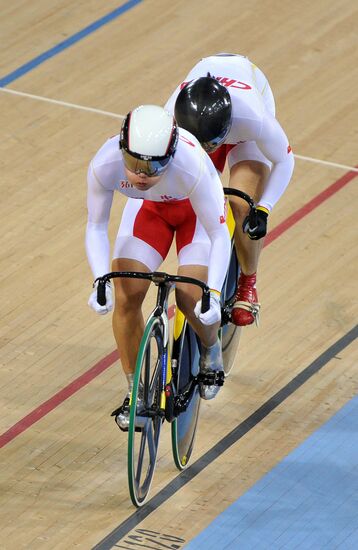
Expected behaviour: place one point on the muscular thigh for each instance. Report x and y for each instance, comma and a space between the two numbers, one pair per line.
249, 176
186, 294
129, 293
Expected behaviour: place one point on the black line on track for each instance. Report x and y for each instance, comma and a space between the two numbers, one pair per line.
237, 433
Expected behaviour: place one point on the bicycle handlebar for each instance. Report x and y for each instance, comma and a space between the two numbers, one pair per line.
157, 277
250, 202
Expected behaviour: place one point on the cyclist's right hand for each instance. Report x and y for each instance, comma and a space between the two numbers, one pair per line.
92, 302
213, 315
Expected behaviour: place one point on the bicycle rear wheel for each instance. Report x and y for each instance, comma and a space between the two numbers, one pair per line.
186, 353
230, 333
146, 418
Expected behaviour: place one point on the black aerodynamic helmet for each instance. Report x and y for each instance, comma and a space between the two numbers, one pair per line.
203, 107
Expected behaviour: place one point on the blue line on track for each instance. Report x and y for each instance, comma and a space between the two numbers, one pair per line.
30, 65
132, 521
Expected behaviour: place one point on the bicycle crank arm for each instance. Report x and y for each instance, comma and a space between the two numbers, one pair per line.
182, 400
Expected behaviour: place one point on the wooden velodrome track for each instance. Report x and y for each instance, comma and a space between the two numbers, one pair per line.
63, 461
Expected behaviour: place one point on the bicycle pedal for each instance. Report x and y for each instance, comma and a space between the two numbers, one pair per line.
123, 429
212, 378
116, 413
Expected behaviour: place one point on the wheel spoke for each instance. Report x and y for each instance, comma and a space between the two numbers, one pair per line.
152, 385
151, 443
146, 393
140, 457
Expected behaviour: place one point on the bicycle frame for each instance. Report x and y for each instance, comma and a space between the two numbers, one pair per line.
164, 282
164, 396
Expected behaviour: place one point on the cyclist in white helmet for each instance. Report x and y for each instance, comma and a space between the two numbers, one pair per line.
172, 188
227, 103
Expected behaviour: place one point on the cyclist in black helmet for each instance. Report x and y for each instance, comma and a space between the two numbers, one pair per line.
227, 103
203, 107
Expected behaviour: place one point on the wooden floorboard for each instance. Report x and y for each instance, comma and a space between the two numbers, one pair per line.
63, 478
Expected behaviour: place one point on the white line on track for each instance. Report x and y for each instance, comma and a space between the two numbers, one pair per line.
62, 103
327, 163
115, 115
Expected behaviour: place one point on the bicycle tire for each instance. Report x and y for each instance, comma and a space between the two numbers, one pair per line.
145, 420
230, 333
186, 351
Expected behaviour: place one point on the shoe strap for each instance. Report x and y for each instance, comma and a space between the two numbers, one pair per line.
247, 280
253, 308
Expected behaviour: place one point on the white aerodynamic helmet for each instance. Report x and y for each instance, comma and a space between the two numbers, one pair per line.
148, 140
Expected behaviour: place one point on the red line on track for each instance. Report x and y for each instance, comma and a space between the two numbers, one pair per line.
57, 399
308, 207
85, 378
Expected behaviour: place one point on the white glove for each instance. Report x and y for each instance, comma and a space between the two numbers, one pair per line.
213, 315
92, 302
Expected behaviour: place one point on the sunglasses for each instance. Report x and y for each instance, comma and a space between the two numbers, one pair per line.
150, 166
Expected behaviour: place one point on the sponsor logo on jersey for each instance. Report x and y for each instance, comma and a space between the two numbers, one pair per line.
168, 198
186, 140
224, 216
225, 81
232, 83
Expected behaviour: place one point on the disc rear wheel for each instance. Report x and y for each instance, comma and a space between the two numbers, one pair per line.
230, 333
186, 352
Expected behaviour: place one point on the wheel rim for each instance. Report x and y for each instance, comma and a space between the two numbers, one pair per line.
143, 444
230, 338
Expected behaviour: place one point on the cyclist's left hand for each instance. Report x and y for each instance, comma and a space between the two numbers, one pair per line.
260, 230
92, 302
213, 315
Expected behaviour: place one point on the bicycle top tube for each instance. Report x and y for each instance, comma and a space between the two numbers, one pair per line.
158, 277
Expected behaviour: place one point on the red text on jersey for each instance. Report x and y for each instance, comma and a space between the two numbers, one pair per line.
124, 184
225, 81
186, 140
232, 83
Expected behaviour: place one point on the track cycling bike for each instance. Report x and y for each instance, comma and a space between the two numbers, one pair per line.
167, 382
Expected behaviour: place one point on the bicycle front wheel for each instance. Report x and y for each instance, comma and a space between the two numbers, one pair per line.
230, 333
145, 415
186, 352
